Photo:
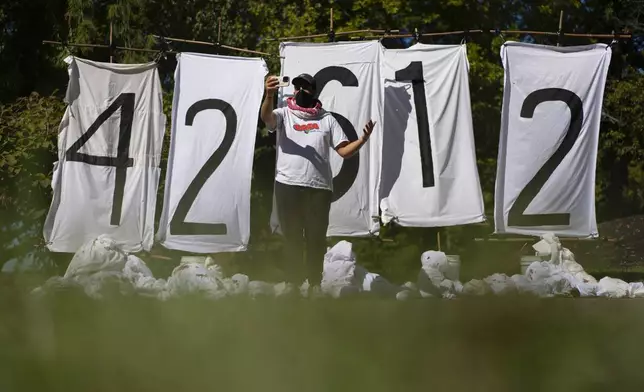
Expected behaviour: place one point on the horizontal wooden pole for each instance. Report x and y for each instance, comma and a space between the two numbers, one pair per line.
102, 46
589, 35
75, 45
385, 34
450, 33
339, 33
190, 41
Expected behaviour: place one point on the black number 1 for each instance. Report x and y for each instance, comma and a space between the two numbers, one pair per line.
178, 224
122, 160
516, 216
414, 72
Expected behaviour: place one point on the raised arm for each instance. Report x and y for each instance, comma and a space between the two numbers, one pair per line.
266, 112
347, 149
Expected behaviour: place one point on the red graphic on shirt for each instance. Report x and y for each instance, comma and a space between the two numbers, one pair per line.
306, 128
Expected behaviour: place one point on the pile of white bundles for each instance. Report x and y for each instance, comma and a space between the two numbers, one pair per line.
101, 265
558, 275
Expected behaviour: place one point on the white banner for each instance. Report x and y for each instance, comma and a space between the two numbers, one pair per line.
109, 148
214, 123
552, 106
349, 85
429, 174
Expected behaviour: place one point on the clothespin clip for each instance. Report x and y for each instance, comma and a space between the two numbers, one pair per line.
387, 32
164, 48
66, 46
416, 35
614, 41
466, 34
497, 31
112, 48
331, 35
560, 37
165, 45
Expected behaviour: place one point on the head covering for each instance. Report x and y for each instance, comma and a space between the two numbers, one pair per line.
305, 79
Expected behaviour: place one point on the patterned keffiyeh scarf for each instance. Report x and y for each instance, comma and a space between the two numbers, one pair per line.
305, 113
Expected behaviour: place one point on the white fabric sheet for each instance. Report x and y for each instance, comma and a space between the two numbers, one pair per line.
109, 149
207, 190
429, 174
552, 106
349, 84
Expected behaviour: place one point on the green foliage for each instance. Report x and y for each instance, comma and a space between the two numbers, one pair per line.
28, 131
25, 64
620, 168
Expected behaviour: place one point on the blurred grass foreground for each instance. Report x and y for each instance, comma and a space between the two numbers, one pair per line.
68, 342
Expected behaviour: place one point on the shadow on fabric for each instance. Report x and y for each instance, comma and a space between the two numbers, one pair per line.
397, 112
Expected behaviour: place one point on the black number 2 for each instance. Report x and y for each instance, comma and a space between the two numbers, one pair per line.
516, 216
414, 72
178, 224
122, 160
349, 171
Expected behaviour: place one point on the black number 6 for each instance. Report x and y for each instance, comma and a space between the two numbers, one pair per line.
349, 171
516, 216
178, 224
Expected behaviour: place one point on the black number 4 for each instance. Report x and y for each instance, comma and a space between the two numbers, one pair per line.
516, 216
414, 72
178, 224
122, 160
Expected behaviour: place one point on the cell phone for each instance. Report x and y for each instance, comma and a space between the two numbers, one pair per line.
284, 81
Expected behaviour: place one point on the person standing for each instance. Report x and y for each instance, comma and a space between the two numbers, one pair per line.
306, 134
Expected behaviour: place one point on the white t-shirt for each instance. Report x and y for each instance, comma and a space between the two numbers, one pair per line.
304, 146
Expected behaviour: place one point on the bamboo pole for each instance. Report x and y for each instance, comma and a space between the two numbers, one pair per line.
75, 45
423, 35
137, 49
111, 54
248, 51
586, 35
297, 37
189, 41
560, 32
325, 35
384, 34
101, 46
531, 32
598, 35
331, 32
450, 32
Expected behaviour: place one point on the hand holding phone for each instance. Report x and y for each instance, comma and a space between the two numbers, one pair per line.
284, 81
